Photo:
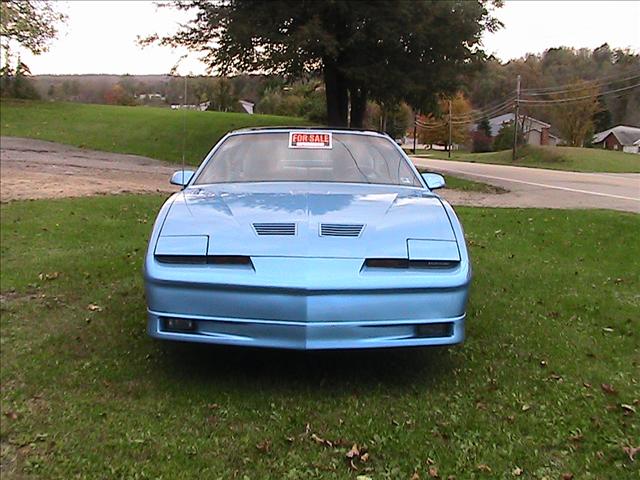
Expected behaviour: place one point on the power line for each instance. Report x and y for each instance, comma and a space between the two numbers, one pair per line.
577, 99
572, 86
485, 112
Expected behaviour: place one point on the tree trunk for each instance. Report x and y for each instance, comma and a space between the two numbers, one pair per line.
336, 95
358, 106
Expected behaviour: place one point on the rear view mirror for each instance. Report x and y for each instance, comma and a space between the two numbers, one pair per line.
433, 180
182, 177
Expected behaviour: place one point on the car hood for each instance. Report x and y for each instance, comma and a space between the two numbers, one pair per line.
227, 214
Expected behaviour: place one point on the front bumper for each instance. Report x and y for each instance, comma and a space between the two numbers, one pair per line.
310, 336
303, 303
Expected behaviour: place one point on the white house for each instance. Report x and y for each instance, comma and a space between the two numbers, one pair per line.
536, 132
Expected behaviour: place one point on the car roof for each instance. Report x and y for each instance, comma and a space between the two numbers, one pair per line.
310, 128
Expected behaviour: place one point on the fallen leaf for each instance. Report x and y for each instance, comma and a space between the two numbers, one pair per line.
483, 467
433, 472
49, 276
578, 437
213, 406
363, 477
526, 407
364, 457
94, 308
264, 446
586, 385
415, 476
608, 388
12, 415
607, 329
354, 452
627, 408
321, 440
631, 452
517, 472
567, 476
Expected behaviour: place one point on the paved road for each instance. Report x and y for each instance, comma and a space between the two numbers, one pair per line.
536, 187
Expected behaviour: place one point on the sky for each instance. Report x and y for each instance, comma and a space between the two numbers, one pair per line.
100, 36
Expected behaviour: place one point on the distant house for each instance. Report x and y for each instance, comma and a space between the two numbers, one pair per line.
536, 132
247, 106
621, 138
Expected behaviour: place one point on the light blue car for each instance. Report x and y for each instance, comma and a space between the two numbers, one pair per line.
307, 239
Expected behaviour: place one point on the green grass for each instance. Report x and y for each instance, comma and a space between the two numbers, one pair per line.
462, 184
556, 158
152, 132
85, 394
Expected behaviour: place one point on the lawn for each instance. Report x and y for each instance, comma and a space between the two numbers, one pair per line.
152, 132
462, 184
557, 158
546, 383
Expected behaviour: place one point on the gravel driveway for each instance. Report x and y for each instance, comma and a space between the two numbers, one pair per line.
37, 169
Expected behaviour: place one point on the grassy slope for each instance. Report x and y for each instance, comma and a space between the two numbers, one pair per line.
557, 158
85, 393
153, 132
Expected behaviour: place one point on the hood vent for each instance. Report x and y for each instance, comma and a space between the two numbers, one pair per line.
275, 228
340, 230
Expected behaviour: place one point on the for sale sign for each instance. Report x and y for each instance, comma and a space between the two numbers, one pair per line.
310, 140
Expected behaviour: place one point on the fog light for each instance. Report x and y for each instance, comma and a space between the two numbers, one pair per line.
179, 324
434, 330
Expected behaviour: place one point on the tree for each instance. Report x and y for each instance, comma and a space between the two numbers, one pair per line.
393, 119
484, 126
574, 119
30, 24
438, 122
504, 138
384, 50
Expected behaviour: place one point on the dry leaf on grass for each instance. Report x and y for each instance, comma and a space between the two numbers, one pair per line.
354, 452
628, 409
94, 308
264, 446
433, 472
608, 388
631, 452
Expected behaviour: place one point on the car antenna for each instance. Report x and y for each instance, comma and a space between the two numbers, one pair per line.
184, 125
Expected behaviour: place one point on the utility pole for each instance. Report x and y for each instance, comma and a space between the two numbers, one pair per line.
449, 129
515, 121
415, 130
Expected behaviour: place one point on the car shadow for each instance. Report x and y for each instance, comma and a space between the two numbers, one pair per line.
331, 369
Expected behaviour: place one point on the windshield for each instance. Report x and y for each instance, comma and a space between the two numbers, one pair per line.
272, 157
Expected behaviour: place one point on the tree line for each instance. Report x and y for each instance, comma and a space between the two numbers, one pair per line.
372, 64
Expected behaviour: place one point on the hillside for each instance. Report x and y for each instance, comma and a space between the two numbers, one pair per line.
152, 132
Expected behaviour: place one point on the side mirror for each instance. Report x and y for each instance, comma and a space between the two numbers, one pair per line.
433, 180
181, 177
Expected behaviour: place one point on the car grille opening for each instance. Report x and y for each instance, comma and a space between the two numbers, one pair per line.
275, 228
172, 324
340, 230
434, 330
208, 259
406, 263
